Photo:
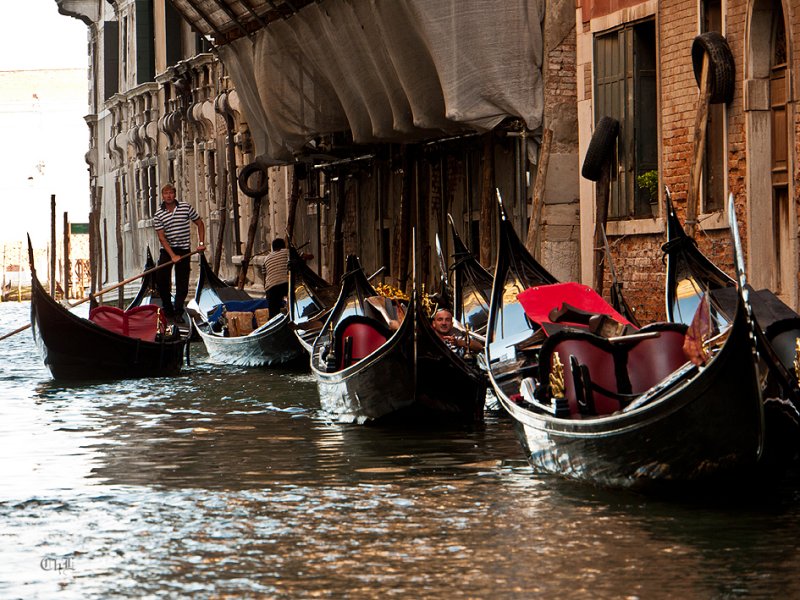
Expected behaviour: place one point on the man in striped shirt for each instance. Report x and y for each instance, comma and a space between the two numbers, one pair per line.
276, 276
174, 233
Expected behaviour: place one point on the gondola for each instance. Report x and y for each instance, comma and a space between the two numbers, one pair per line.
472, 286
626, 411
217, 307
690, 275
309, 299
369, 373
129, 344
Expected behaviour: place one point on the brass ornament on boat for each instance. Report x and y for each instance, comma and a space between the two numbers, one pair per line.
467, 353
797, 358
428, 305
556, 376
391, 292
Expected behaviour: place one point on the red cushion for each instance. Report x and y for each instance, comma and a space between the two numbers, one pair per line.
651, 360
600, 363
366, 339
141, 322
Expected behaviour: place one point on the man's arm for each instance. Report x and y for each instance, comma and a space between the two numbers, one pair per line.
201, 233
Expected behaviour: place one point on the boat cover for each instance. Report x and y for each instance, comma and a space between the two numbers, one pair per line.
539, 303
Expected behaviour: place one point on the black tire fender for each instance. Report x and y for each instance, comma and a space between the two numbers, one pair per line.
601, 148
721, 67
244, 178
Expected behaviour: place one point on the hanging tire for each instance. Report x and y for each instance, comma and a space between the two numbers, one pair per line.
244, 179
601, 148
721, 68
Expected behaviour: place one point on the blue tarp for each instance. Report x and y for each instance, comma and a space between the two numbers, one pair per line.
237, 306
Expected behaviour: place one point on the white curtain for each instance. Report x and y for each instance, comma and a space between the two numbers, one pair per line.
389, 70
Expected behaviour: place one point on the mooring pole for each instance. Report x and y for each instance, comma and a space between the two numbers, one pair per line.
53, 245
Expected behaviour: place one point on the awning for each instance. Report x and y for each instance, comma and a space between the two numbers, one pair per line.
384, 70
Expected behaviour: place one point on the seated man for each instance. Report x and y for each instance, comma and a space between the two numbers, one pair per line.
456, 340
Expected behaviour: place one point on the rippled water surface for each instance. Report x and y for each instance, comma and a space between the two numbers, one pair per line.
227, 482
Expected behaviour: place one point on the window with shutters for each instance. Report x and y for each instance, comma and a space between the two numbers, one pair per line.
714, 171
173, 34
110, 59
145, 42
625, 89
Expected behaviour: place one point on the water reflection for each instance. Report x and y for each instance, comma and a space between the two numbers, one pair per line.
231, 482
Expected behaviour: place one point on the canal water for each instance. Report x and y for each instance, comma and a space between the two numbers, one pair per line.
229, 482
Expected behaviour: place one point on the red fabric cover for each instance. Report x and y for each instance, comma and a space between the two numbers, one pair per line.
537, 302
366, 339
142, 322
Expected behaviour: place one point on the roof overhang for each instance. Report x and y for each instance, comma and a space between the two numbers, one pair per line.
223, 21
379, 71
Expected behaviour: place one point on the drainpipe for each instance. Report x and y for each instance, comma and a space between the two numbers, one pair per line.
223, 109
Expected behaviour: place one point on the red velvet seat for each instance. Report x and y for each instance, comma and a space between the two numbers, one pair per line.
356, 338
141, 322
651, 360
596, 355
612, 373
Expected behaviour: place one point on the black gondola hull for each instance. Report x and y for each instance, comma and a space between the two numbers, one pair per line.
700, 426
74, 348
709, 429
412, 378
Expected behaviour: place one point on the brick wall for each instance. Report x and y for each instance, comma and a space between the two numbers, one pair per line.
638, 258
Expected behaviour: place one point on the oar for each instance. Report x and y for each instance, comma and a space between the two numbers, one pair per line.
108, 289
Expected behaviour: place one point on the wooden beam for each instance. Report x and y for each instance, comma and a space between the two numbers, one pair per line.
537, 204
700, 134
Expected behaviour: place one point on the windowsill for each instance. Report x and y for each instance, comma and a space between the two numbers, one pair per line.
636, 227
708, 221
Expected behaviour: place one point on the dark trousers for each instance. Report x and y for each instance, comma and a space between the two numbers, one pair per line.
164, 282
275, 296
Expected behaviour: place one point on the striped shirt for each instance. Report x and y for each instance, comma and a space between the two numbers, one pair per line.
176, 224
276, 268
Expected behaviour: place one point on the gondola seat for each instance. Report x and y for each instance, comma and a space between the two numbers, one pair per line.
140, 322
356, 337
602, 376
783, 336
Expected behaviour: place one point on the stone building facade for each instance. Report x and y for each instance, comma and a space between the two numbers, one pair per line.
164, 106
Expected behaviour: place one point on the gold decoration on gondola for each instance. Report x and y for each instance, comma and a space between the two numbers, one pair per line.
391, 292
556, 376
467, 353
428, 305
797, 358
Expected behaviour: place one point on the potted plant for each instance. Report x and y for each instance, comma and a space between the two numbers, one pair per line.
648, 181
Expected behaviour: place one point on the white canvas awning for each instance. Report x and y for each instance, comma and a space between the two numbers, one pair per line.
387, 70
